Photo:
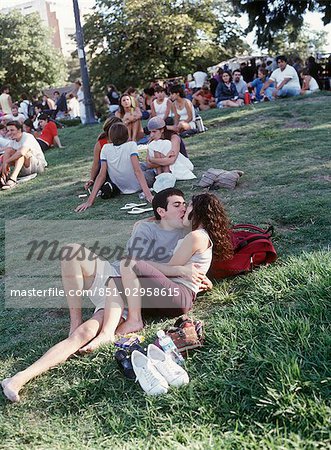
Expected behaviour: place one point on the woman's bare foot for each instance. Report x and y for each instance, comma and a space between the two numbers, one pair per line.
11, 389
130, 326
101, 339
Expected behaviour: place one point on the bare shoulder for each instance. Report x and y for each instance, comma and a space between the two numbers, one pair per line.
198, 239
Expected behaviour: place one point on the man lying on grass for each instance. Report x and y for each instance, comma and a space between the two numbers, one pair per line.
151, 241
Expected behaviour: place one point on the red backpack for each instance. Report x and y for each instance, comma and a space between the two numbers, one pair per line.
252, 247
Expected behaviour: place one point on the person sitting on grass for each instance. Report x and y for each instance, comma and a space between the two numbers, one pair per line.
309, 85
149, 240
184, 114
121, 160
161, 149
181, 276
29, 128
147, 98
15, 115
257, 84
226, 93
48, 136
285, 79
23, 153
131, 116
203, 99
161, 105
4, 139
103, 139
240, 84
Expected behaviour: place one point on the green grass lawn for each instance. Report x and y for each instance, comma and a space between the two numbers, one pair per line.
262, 380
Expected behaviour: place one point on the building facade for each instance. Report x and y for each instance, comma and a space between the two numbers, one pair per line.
57, 15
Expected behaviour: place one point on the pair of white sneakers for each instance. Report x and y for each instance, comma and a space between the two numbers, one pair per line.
156, 371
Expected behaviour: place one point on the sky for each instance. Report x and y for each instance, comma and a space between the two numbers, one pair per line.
312, 19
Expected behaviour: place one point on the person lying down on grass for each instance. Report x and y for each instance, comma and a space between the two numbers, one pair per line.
210, 236
79, 274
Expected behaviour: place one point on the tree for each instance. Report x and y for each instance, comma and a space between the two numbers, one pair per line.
133, 41
270, 16
28, 60
306, 40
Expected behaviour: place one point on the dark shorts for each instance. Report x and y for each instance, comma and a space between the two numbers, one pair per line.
163, 296
44, 146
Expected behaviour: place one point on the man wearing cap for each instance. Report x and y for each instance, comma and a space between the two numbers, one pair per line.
285, 78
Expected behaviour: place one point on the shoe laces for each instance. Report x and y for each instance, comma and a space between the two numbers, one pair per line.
149, 376
169, 367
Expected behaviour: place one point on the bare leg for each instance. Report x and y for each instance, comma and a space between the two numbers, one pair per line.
5, 165
18, 166
78, 273
131, 284
130, 131
114, 306
54, 356
183, 126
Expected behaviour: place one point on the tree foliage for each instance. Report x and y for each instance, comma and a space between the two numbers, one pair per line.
270, 16
28, 60
133, 41
306, 41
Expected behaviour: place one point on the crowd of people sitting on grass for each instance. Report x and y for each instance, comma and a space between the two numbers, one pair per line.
171, 107
183, 238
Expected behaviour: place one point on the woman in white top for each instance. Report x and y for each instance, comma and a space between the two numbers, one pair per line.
188, 266
184, 114
161, 105
309, 85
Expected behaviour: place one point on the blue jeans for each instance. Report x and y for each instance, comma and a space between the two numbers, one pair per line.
283, 92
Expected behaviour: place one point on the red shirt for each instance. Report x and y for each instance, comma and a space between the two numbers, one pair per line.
48, 133
103, 142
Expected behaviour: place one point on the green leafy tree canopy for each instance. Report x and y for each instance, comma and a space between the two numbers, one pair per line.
29, 62
302, 46
133, 41
267, 17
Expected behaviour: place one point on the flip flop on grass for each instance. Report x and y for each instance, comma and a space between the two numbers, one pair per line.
139, 210
133, 205
9, 185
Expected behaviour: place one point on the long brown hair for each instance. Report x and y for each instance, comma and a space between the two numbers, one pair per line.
209, 212
121, 109
106, 126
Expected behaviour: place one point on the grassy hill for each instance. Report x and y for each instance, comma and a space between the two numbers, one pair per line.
263, 378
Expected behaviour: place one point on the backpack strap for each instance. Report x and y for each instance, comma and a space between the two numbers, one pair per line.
247, 241
249, 226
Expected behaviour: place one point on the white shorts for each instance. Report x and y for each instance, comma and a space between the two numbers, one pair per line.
36, 166
104, 270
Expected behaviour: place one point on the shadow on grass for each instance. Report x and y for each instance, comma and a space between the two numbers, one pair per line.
265, 361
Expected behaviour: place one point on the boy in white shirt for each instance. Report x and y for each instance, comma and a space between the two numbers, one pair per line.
121, 160
24, 153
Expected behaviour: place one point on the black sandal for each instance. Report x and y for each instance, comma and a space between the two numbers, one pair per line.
9, 185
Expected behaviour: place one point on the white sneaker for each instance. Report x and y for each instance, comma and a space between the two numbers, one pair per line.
151, 381
172, 372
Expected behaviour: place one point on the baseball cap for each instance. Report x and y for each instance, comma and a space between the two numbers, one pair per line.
155, 123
